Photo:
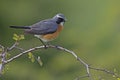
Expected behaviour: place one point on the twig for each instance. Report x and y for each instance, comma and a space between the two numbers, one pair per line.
78, 58
21, 49
1, 47
2, 50
24, 52
78, 78
13, 46
1, 56
105, 70
3, 59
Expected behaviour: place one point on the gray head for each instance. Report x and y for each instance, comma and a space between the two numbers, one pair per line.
60, 18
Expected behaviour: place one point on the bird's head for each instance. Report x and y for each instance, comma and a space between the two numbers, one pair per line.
60, 18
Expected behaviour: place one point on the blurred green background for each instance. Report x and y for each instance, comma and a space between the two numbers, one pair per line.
92, 31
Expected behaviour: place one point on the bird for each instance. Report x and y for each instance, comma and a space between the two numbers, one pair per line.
45, 30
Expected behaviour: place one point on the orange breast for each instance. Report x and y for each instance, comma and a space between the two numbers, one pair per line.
53, 35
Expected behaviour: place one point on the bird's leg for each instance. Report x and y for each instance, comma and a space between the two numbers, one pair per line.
43, 43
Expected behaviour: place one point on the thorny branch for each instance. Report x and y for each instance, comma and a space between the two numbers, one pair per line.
15, 45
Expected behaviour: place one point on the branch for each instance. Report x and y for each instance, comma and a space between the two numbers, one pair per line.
22, 53
13, 46
3, 53
3, 58
106, 71
51, 46
88, 67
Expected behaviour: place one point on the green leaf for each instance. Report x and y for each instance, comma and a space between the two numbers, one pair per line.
15, 37
39, 61
118, 78
21, 37
18, 37
31, 57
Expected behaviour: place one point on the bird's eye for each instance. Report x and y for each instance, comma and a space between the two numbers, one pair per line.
61, 19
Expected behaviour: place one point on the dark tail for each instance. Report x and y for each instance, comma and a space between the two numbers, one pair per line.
20, 27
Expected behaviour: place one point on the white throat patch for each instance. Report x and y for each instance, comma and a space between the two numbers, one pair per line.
62, 23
